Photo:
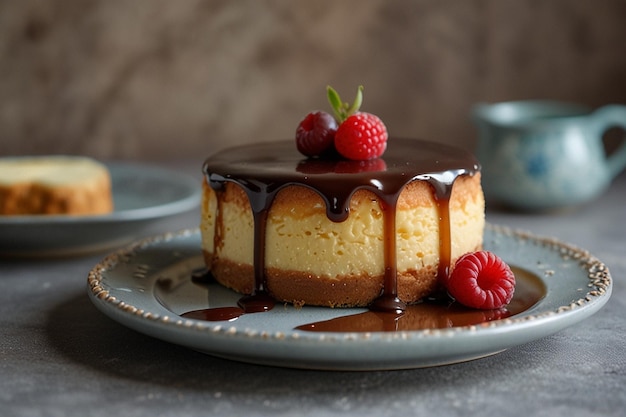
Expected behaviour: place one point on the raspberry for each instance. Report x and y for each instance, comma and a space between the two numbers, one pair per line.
315, 133
481, 280
361, 136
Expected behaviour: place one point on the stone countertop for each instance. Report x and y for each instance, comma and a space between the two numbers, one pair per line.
59, 356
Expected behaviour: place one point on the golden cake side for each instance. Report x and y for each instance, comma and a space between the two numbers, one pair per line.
312, 260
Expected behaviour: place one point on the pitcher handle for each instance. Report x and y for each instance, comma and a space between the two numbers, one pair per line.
613, 115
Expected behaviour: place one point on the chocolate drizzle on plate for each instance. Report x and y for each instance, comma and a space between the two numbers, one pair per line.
431, 313
262, 170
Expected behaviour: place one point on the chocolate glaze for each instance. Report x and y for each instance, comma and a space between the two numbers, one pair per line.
262, 170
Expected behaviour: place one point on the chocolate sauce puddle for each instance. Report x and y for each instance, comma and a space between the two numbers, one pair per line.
436, 314
215, 314
428, 314
263, 170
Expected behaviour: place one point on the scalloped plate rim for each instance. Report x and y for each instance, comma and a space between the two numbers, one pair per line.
345, 351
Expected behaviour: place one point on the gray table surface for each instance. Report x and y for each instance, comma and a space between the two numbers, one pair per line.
59, 356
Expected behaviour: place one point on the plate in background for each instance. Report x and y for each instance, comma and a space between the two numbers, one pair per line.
142, 195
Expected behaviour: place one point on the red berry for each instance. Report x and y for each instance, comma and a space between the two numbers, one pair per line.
315, 133
361, 136
481, 280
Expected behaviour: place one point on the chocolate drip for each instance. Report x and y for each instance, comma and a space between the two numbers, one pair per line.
259, 301
389, 300
262, 170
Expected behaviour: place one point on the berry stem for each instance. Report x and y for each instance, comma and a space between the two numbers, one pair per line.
341, 110
356, 105
335, 103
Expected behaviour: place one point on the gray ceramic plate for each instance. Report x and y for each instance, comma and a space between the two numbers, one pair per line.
147, 287
142, 195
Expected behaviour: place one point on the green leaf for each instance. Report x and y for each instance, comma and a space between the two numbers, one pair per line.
358, 100
335, 103
343, 110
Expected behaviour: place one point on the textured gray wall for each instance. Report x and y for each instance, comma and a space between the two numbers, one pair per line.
159, 79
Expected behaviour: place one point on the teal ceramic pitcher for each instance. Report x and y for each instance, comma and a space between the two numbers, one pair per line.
545, 154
